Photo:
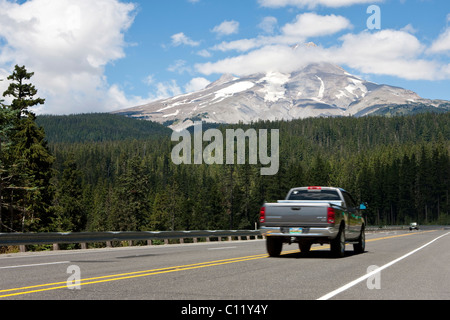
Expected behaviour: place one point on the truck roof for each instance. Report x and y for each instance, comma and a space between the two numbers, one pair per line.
319, 188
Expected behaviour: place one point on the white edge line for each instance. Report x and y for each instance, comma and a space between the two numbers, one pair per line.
35, 265
368, 275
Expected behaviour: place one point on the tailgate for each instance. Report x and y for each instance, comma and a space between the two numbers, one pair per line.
291, 214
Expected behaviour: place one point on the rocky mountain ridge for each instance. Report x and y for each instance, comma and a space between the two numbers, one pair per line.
317, 90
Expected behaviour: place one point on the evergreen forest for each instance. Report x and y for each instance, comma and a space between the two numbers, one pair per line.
104, 172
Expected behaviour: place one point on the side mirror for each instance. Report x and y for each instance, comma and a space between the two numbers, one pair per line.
362, 206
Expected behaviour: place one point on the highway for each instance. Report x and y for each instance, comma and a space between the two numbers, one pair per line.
406, 265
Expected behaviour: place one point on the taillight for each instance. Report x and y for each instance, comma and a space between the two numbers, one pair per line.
262, 215
331, 215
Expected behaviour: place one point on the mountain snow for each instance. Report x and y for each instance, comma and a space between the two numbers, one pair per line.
273, 86
319, 89
233, 89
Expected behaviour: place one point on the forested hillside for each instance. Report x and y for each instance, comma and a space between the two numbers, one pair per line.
96, 127
400, 166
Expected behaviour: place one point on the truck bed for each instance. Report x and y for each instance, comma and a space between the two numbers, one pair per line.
288, 213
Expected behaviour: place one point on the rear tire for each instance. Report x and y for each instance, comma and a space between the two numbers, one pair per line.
360, 247
338, 244
274, 246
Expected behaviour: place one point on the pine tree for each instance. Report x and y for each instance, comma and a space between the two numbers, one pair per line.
70, 214
407, 177
131, 198
7, 117
30, 192
23, 93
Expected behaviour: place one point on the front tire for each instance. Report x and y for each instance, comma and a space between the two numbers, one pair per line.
274, 246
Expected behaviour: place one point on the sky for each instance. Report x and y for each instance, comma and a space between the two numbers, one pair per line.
106, 55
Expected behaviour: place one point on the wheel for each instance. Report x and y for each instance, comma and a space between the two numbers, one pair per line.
360, 247
304, 246
274, 246
338, 244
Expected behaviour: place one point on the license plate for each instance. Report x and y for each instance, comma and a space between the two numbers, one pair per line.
296, 230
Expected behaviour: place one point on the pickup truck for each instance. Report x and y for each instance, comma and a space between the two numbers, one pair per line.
311, 215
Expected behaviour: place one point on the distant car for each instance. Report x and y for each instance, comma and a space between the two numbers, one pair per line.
413, 226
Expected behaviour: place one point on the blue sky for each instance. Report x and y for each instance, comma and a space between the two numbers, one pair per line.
104, 55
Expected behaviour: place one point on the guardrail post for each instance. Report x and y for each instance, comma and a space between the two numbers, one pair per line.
23, 248
83, 246
109, 244
55, 246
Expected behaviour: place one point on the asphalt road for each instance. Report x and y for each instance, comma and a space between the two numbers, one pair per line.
406, 266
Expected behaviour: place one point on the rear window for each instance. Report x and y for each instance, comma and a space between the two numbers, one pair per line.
330, 195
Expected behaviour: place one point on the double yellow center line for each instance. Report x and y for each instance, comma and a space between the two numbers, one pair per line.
122, 276
116, 277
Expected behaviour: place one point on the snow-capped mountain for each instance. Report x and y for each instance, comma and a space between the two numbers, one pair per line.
320, 89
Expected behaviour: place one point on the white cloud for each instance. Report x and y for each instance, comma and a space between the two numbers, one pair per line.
244, 45
3, 84
268, 25
226, 28
67, 44
118, 100
179, 66
168, 89
313, 25
280, 58
181, 39
386, 52
311, 4
442, 44
196, 84
149, 80
204, 53
305, 26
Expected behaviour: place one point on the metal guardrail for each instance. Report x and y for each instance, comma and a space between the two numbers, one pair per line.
23, 239
386, 228
403, 227
55, 239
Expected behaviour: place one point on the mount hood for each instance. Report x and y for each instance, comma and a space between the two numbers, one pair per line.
317, 90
